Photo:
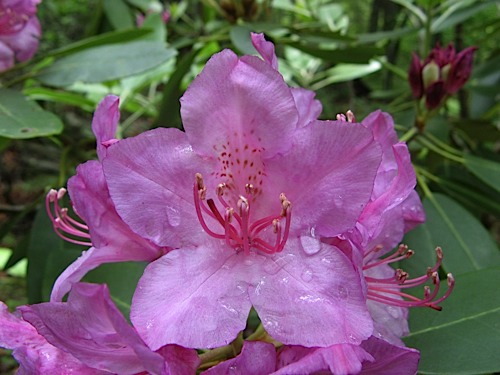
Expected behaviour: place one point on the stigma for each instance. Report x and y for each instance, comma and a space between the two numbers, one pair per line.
236, 225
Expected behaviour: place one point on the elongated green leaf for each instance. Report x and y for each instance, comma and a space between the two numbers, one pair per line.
347, 72
118, 14
488, 171
122, 36
466, 244
65, 97
240, 36
354, 55
464, 337
457, 14
21, 118
106, 63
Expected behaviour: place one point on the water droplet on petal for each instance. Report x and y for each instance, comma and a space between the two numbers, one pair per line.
352, 338
271, 267
310, 245
342, 292
248, 261
149, 324
306, 275
393, 311
173, 216
338, 200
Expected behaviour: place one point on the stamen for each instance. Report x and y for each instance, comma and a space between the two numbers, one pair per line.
381, 290
245, 235
63, 224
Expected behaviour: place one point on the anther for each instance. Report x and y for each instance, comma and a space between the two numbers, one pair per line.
249, 189
350, 116
220, 189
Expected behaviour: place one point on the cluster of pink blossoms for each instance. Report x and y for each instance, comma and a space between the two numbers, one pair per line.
258, 204
19, 31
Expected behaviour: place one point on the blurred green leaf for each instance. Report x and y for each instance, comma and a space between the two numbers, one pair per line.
386, 35
21, 118
118, 14
354, 55
466, 244
240, 37
106, 63
121, 278
122, 36
56, 96
488, 171
170, 106
347, 72
464, 337
458, 13
48, 256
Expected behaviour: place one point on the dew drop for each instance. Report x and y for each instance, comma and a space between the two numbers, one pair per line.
393, 311
310, 245
271, 267
306, 275
352, 338
149, 324
342, 292
338, 200
173, 216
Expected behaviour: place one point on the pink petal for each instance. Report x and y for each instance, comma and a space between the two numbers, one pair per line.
240, 100
311, 300
6, 56
105, 122
340, 359
179, 360
413, 211
328, 175
194, 297
256, 358
25, 42
308, 107
90, 327
390, 322
389, 359
265, 49
150, 179
34, 354
112, 239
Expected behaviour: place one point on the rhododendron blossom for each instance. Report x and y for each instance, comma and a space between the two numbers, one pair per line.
19, 31
243, 198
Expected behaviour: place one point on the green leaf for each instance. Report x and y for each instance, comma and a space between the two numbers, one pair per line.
48, 256
354, 55
122, 36
347, 72
21, 118
457, 13
56, 96
118, 14
105, 63
466, 244
463, 338
240, 37
488, 171
121, 278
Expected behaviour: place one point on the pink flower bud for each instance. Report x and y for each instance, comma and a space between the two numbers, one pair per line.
415, 76
460, 70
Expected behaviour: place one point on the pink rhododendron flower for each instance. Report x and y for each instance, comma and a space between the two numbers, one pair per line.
19, 31
243, 197
33, 352
109, 238
373, 356
91, 328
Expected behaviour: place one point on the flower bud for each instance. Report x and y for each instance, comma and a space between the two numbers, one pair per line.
460, 70
430, 74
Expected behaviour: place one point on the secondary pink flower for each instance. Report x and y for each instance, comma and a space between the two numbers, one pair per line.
34, 354
19, 31
373, 356
243, 196
91, 328
109, 238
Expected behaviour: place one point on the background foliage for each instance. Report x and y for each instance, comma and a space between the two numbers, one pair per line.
355, 54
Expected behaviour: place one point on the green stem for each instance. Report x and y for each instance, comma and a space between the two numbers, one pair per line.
443, 145
409, 135
443, 153
421, 182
